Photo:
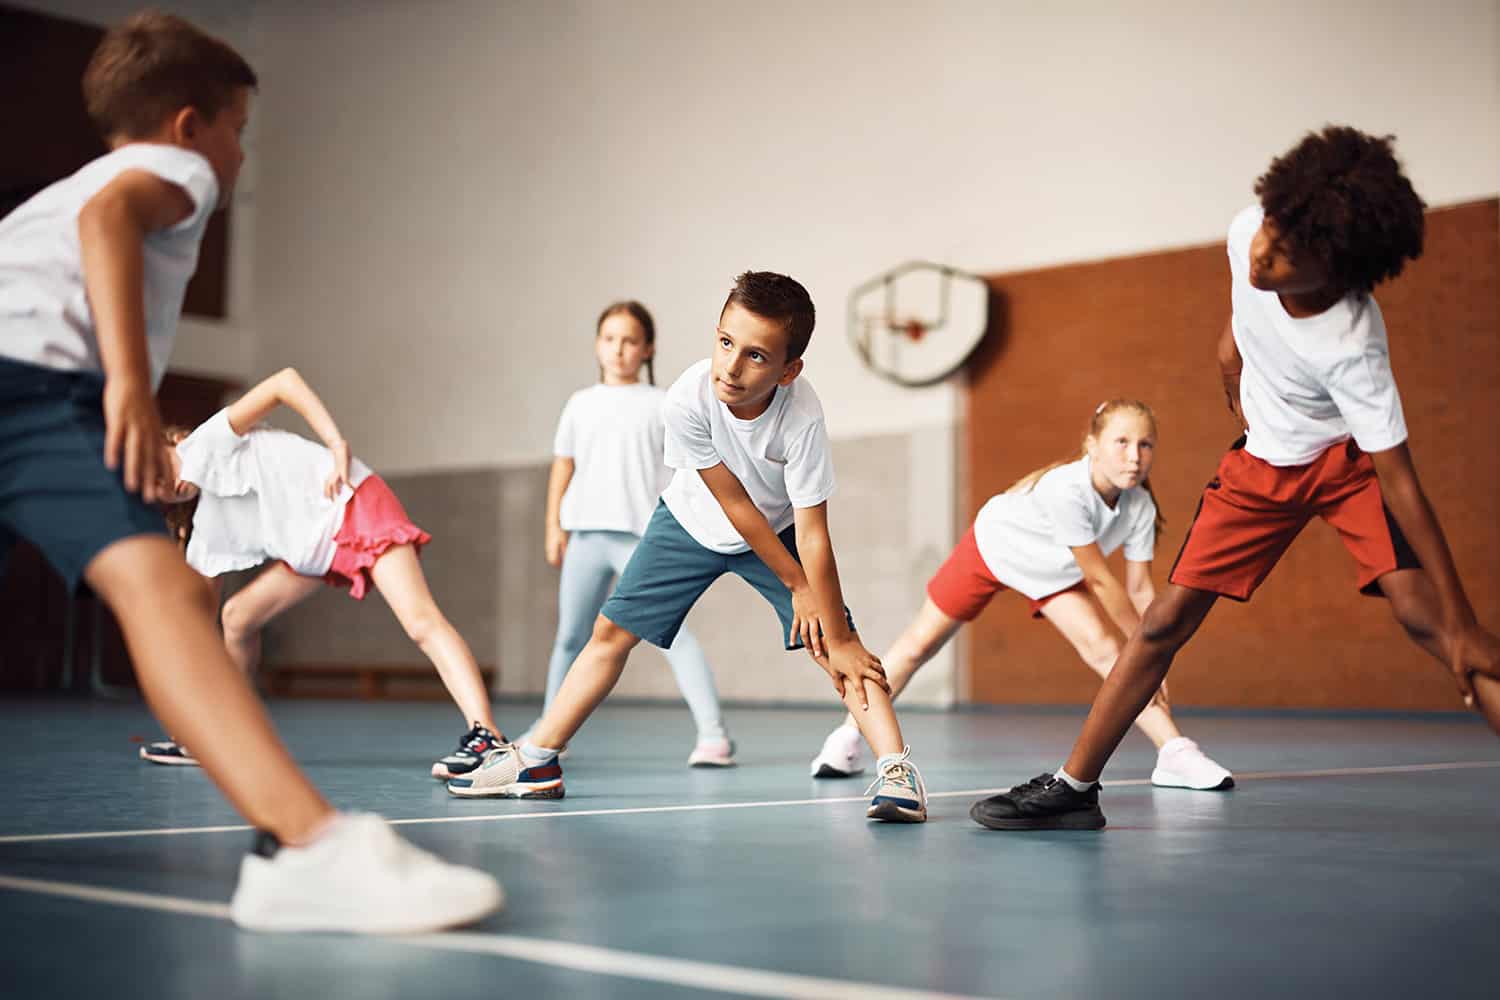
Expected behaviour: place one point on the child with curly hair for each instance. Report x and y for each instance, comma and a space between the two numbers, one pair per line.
1307, 372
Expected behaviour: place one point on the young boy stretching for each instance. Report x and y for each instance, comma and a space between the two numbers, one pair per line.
1307, 371
753, 477
92, 275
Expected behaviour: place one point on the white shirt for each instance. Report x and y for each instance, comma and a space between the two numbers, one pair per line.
1309, 383
261, 497
1025, 538
44, 313
782, 457
613, 434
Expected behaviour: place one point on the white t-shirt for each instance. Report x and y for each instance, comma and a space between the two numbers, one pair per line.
613, 434
782, 457
44, 311
262, 498
1025, 538
1309, 383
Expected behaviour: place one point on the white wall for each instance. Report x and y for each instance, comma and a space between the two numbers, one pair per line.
448, 193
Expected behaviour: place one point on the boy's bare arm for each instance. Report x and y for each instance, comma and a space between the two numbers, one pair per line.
841, 653
112, 227
1408, 503
288, 388
754, 528
1230, 366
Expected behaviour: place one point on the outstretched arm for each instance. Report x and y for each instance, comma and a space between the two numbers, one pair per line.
112, 227
812, 620
1230, 366
840, 652
1408, 503
1106, 589
287, 388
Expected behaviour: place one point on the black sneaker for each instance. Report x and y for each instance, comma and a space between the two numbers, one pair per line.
472, 747
1043, 803
168, 752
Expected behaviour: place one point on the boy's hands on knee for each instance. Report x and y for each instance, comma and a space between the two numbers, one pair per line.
133, 438
849, 663
1471, 649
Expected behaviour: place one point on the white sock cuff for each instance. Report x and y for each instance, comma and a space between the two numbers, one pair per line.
1074, 783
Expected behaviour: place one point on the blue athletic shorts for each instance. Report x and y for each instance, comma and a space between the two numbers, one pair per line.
54, 489
669, 571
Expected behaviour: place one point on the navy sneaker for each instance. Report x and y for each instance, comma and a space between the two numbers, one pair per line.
1043, 803
472, 747
168, 752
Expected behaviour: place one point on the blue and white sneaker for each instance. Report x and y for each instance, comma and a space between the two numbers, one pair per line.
900, 795
472, 746
504, 774
168, 752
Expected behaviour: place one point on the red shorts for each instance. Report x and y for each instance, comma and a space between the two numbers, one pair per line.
963, 585
1251, 511
374, 521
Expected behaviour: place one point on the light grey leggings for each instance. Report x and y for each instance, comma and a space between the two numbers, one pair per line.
591, 563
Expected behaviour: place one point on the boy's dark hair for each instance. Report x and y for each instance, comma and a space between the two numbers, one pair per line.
777, 297
641, 315
152, 65
1340, 197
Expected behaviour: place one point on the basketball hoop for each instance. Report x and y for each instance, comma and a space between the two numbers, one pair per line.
918, 323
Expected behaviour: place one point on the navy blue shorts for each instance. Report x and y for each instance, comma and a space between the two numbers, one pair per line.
669, 571
54, 489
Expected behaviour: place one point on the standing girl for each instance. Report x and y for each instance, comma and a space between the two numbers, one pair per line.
607, 476
265, 494
1047, 537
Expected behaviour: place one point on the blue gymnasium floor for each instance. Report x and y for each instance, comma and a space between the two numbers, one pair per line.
1358, 857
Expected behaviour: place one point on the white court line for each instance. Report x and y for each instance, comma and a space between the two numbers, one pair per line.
710, 976
1337, 772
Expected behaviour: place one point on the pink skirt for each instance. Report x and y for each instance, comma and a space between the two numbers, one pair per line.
374, 521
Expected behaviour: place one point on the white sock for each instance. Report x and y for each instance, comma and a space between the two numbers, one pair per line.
1074, 783
533, 754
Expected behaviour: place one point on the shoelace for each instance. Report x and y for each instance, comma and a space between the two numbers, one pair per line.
897, 772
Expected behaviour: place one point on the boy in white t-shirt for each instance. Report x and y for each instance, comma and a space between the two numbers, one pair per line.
92, 275
1307, 370
749, 496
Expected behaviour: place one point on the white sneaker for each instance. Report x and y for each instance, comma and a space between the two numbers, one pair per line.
900, 795
712, 753
842, 756
359, 877
1180, 764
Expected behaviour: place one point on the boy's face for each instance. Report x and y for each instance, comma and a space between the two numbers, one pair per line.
219, 141
1276, 266
749, 361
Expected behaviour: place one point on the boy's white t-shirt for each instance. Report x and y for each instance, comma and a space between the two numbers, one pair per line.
1025, 538
1309, 383
44, 311
782, 457
613, 434
261, 497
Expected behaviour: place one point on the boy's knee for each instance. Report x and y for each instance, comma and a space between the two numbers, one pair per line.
1166, 627
238, 618
607, 633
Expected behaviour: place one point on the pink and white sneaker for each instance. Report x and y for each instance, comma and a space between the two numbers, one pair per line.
712, 753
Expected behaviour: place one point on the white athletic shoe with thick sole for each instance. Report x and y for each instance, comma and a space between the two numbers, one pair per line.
900, 794
842, 756
506, 775
1180, 764
359, 877
712, 753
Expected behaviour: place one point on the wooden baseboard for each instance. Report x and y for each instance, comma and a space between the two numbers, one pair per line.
365, 681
